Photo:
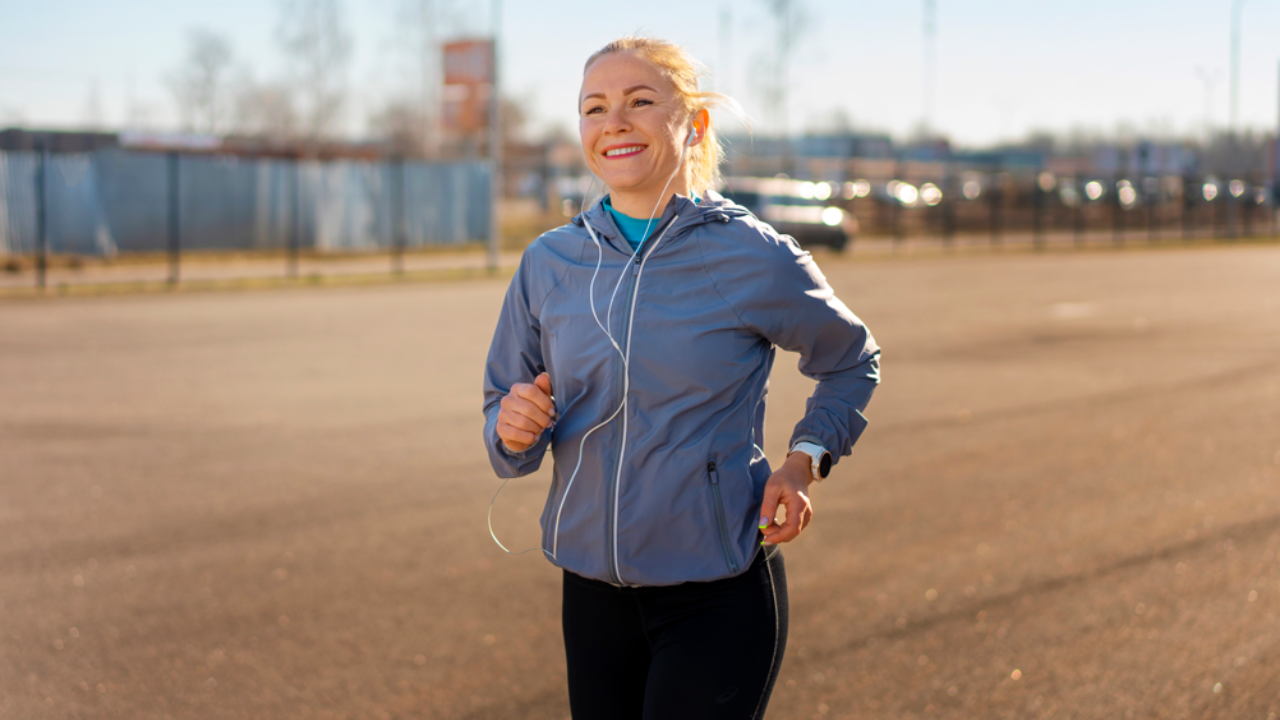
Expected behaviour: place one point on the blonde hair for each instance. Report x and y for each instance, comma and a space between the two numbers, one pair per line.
703, 169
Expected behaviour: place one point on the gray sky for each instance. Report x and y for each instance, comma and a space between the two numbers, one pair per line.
1003, 67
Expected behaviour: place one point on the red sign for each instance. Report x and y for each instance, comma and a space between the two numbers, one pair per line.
468, 81
468, 62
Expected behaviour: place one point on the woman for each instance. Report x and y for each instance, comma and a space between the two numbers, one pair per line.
637, 346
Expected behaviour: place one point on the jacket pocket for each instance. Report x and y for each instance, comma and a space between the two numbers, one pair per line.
713, 474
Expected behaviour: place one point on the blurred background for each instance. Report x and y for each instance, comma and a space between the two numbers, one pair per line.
252, 253
319, 129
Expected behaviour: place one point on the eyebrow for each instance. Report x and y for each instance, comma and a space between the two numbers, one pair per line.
628, 91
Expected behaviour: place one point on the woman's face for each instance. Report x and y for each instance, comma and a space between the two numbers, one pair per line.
632, 125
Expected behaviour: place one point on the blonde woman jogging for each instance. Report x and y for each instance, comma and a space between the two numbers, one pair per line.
636, 344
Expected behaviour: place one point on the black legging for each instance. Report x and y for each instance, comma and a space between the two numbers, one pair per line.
703, 651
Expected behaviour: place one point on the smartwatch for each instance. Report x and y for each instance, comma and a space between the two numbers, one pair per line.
819, 457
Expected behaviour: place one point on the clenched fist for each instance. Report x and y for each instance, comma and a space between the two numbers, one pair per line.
525, 412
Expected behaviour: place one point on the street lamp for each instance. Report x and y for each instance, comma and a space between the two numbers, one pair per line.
1237, 8
495, 143
930, 71
1209, 80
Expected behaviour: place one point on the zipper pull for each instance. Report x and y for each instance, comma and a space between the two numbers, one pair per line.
711, 469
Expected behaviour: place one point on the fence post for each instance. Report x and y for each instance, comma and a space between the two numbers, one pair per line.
1187, 206
295, 231
1037, 218
1081, 199
1215, 214
899, 232
995, 203
1233, 210
948, 207
397, 215
42, 225
174, 218
1246, 215
1150, 199
1117, 220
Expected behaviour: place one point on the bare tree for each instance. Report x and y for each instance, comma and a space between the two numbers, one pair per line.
401, 124
264, 110
312, 35
200, 85
93, 114
835, 121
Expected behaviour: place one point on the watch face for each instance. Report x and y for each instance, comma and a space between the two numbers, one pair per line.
824, 465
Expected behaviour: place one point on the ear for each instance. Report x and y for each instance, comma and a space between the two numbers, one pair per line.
701, 123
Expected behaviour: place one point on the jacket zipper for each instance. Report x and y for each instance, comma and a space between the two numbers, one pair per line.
614, 477
721, 525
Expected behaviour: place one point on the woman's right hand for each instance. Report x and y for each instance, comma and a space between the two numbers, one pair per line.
525, 412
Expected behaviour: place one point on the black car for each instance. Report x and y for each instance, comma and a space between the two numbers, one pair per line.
795, 207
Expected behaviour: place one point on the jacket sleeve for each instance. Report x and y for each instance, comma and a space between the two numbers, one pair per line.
515, 355
781, 293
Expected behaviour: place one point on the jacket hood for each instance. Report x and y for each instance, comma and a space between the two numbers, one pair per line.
712, 208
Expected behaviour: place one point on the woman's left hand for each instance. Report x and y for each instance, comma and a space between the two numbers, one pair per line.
788, 486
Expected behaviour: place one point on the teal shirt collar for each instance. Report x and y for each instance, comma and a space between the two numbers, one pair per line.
632, 229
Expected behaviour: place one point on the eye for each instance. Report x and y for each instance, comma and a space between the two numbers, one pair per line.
593, 110
640, 101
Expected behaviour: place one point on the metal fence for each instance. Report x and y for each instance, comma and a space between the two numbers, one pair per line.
943, 200
120, 201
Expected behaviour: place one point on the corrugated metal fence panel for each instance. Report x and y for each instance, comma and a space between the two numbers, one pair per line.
352, 205
17, 203
118, 201
218, 202
134, 199
447, 203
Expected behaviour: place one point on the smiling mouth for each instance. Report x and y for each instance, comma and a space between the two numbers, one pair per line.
624, 151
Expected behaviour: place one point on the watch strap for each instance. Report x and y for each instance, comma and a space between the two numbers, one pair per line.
818, 456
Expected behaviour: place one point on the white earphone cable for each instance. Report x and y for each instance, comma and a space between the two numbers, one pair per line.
626, 365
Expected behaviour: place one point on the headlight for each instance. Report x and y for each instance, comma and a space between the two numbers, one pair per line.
906, 193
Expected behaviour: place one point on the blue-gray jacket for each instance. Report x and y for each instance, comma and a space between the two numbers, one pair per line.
669, 491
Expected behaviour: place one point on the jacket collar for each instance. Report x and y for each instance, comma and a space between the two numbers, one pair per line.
712, 208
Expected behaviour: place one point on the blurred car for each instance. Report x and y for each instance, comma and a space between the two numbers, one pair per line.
797, 208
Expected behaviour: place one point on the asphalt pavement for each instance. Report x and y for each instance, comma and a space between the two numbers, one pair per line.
268, 504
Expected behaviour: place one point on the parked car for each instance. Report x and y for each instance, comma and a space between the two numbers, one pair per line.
797, 208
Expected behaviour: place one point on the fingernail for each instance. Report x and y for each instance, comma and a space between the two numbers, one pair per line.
764, 523
765, 543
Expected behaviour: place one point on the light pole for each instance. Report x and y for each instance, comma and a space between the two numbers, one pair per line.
1209, 80
495, 146
726, 38
1237, 8
429, 63
930, 77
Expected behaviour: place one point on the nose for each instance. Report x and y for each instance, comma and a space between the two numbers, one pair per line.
617, 122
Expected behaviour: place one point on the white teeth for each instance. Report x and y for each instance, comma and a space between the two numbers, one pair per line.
624, 151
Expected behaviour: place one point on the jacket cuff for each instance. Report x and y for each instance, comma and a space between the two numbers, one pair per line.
829, 438
523, 454
809, 439
507, 463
